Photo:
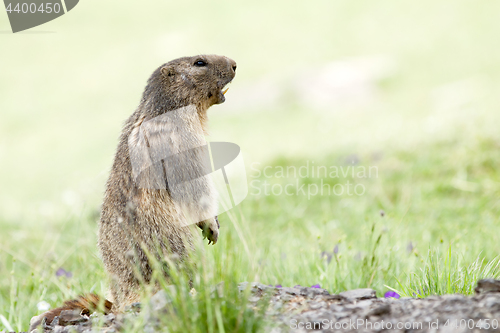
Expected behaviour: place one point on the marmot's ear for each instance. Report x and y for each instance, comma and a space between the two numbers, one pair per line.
168, 70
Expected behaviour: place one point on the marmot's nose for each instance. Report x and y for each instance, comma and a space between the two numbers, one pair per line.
232, 63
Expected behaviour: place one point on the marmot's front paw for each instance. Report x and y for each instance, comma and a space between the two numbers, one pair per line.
210, 229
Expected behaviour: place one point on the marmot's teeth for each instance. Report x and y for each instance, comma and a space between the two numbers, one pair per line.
225, 91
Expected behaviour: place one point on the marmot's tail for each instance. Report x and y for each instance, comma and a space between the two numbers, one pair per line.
85, 304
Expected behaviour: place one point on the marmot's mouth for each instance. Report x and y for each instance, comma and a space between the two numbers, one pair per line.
224, 91
221, 94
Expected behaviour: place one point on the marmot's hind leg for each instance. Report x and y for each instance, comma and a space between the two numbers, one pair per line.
85, 304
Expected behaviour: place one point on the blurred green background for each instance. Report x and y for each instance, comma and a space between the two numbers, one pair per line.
409, 87
68, 85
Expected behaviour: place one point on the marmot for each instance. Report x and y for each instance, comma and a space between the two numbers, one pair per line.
133, 218
139, 216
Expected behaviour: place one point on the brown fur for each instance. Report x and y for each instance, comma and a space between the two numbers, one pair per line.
84, 304
136, 221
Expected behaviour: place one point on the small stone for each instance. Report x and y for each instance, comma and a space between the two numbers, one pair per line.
287, 298
492, 303
364, 303
58, 329
261, 286
278, 305
108, 319
290, 291
311, 292
487, 286
317, 305
242, 286
159, 300
70, 329
134, 307
70, 317
45, 326
35, 322
380, 311
333, 298
363, 293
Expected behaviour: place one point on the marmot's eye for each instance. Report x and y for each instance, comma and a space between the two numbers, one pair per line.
200, 63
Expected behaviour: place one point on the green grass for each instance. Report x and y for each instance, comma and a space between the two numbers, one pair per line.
279, 239
448, 273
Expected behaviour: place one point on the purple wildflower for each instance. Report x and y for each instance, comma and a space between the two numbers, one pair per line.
419, 293
278, 286
336, 249
409, 247
62, 272
391, 294
316, 286
327, 256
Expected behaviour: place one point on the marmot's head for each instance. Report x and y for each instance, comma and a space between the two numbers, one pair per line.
197, 80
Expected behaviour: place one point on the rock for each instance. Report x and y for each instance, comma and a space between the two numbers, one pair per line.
363, 293
337, 298
262, 287
291, 291
108, 319
312, 292
35, 322
68, 317
133, 308
242, 286
380, 311
253, 299
286, 298
315, 306
159, 300
363, 305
